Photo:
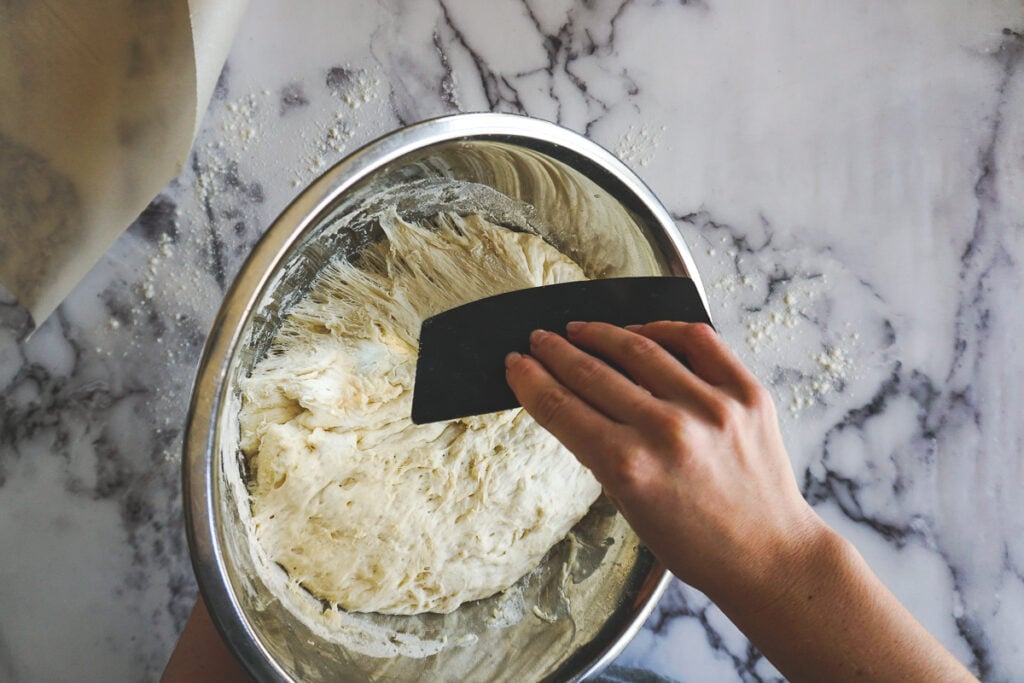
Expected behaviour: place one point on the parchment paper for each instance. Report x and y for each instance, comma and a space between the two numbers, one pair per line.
99, 104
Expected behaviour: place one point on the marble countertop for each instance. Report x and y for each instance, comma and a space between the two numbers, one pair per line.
849, 177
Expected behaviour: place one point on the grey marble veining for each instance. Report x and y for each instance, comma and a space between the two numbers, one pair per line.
850, 178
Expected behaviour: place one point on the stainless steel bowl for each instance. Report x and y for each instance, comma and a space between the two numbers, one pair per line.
592, 593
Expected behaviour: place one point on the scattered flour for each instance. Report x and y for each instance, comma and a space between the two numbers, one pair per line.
242, 124
362, 90
638, 145
783, 334
332, 137
175, 284
834, 367
326, 147
165, 249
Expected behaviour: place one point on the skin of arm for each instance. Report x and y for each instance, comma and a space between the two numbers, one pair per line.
693, 457
201, 655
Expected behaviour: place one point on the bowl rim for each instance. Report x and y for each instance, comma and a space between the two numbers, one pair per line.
210, 386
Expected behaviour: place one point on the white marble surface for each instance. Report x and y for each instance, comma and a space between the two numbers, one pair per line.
850, 177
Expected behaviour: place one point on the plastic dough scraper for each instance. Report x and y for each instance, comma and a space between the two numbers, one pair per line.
461, 365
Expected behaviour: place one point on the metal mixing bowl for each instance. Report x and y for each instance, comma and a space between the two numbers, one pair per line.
592, 593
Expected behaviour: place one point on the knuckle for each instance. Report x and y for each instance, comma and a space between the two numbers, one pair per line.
638, 346
640, 405
631, 469
701, 335
725, 414
671, 427
585, 370
757, 398
550, 404
669, 422
704, 331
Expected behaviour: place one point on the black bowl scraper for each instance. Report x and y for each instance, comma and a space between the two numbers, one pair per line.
461, 365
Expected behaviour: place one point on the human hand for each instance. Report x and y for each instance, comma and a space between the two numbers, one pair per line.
692, 456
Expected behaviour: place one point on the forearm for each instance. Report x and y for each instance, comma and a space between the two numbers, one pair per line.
826, 616
693, 457
201, 655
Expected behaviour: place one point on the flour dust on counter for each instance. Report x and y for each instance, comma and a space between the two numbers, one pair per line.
360, 506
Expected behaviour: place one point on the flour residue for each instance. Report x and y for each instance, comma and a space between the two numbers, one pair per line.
639, 144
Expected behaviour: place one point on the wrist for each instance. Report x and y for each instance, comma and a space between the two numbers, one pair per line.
789, 568
818, 612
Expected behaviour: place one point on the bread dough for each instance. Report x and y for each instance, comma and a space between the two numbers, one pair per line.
360, 506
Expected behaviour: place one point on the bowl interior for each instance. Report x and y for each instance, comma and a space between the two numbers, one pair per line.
559, 620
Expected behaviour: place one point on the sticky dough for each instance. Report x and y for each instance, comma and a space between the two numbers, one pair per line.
360, 506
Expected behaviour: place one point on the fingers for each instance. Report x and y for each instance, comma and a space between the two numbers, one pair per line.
591, 379
644, 359
579, 426
706, 353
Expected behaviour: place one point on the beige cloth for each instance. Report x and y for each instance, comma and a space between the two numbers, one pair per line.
101, 102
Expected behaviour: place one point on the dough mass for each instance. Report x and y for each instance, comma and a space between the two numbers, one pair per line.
360, 506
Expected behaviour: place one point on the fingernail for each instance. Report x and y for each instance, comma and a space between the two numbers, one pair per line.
633, 328
537, 335
574, 326
511, 359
